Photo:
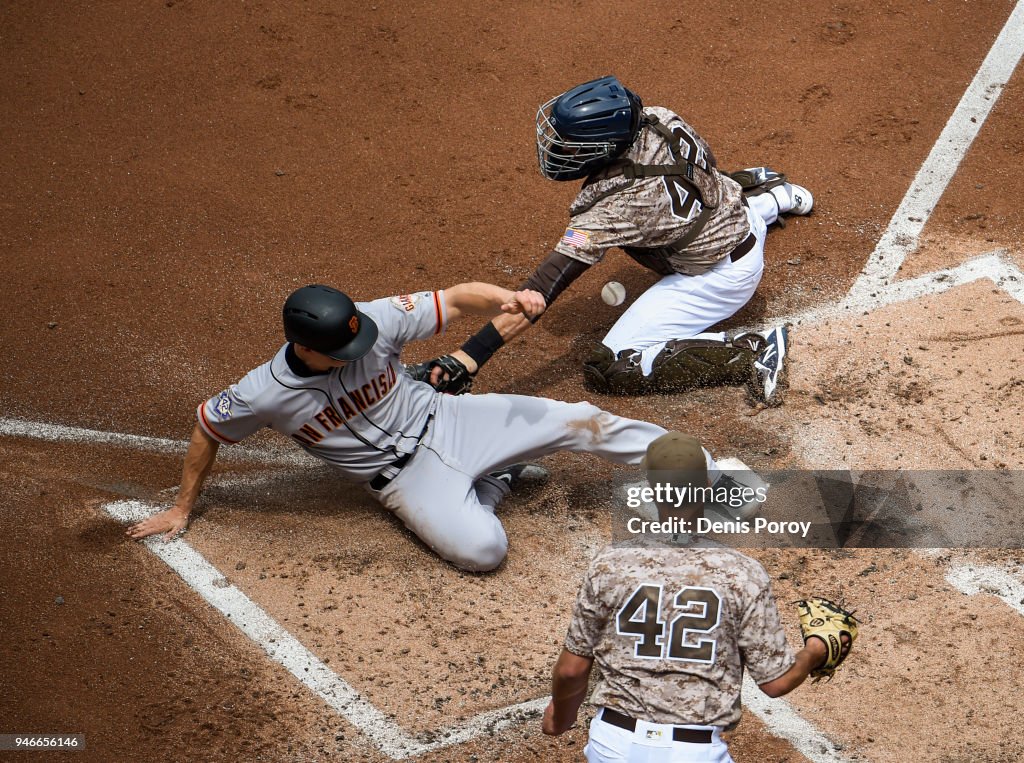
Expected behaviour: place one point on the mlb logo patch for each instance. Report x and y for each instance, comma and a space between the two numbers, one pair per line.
575, 238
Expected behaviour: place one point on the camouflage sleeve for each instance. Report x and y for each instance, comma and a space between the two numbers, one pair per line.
554, 275
762, 639
589, 618
593, 233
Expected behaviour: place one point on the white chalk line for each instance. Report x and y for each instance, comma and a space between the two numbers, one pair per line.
873, 289
286, 650
783, 721
901, 237
994, 266
40, 430
982, 578
390, 738
283, 648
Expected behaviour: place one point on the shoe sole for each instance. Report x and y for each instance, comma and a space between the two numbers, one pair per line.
782, 379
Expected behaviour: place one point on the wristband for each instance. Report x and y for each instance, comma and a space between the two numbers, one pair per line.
483, 344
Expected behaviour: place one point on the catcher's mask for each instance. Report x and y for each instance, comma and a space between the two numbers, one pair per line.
584, 128
326, 320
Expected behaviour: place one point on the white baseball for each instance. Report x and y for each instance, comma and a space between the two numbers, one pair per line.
613, 293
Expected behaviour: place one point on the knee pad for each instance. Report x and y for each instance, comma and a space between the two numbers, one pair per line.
690, 363
606, 372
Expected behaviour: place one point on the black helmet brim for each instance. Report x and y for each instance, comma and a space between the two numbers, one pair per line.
361, 344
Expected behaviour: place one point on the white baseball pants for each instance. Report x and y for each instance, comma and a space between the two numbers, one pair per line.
610, 744
683, 307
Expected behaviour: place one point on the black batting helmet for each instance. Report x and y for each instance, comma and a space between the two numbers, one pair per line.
326, 320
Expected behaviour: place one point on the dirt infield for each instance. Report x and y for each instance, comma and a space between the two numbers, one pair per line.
172, 170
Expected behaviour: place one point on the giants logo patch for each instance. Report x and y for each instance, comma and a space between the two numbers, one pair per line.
405, 302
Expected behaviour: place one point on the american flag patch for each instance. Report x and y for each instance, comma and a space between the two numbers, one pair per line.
575, 238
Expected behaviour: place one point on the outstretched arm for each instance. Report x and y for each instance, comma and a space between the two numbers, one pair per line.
807, 659
202, 452
549, 280
568, 690
488, 300
512, 308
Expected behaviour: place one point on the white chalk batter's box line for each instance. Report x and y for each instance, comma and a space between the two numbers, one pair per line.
390, 738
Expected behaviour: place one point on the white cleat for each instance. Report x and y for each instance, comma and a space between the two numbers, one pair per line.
801, 199
516, 473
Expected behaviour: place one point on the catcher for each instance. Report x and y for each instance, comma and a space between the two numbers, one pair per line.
672, 629
651, 187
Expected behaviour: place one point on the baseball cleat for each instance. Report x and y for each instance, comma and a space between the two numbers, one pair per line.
801, 198
792, 199
770, 363
516, 473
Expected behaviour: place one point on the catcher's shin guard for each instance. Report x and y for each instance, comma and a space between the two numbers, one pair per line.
605, 372
689, 363
682, 365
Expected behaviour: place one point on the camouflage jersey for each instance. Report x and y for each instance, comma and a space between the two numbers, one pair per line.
651, 213
672, 629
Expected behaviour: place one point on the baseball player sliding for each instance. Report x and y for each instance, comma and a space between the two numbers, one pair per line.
651, 187
671, 630
441, 463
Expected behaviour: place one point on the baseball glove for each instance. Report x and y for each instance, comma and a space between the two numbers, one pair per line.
828, 621
455, 377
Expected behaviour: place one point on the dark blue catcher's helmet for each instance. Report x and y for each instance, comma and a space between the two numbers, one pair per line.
583, 129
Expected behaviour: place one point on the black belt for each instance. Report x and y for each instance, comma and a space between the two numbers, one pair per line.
745, 246
679, 734
381, 481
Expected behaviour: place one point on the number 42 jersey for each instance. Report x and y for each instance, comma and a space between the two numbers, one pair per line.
672, 629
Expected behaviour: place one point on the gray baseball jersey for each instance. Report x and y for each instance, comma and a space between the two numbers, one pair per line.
362, 418
657, 211
359, 418
672, 629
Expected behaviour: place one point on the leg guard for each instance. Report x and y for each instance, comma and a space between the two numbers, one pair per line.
605, 372
689, 363
757, 180
684, 364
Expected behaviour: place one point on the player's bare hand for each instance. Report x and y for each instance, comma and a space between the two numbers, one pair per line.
527, 302
170, 522
550, 726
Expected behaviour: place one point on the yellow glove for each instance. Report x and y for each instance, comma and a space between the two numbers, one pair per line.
828, 621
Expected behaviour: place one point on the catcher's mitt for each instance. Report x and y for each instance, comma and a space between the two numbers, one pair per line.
455, 377
828, 621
